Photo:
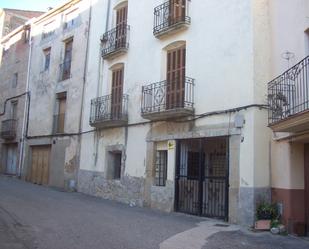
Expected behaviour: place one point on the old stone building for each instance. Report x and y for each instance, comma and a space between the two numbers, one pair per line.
162, 104
56, 81
14, 56
176, 96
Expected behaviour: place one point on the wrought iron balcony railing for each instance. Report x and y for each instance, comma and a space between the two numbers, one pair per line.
175, 97
170, 15
8, 129
288, 94
109, 111
115, 41
65, 70
58, 123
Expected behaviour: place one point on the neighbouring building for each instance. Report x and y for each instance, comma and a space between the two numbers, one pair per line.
56, 82
174, 114
288, 95
14, 56
11, 19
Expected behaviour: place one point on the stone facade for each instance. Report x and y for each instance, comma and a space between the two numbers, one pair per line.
57, 72
129, 190
13, 73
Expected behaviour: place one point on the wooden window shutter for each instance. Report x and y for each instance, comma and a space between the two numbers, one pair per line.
177, 11
121, 27
176, 73
117, 94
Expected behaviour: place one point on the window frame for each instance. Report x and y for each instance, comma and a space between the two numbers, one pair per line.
161, 161
15, 80
47, 52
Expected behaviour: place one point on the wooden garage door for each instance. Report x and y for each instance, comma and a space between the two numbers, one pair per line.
40, 159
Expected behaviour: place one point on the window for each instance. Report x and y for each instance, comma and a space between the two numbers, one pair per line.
121, 23
46, 58
175, 76
59, 117
15, 80
117, 165
117, 94
26, 35
161, 168
48, 30
114, 170
66, 65
14, 109
70, 20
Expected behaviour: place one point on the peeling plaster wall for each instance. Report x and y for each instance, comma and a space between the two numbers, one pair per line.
44, 85
14, 59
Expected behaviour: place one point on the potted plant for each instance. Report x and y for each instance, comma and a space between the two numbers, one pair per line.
265, 213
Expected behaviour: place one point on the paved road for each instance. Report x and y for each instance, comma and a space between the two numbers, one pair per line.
44, 218
35, 217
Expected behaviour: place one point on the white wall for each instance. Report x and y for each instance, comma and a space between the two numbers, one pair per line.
289, 19
220, 57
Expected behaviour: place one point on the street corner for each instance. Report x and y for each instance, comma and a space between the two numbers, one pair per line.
243, 239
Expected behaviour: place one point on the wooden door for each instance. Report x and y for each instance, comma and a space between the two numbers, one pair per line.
11, 160
40, 165
117, 94
121, 29
176, 72
307, 185
177, 11
61, 115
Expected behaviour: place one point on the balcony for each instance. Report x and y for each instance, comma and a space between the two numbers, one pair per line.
65, 70
109, 111
58, 123
8, 129
168, 99
288, 99
115, 42
170, 17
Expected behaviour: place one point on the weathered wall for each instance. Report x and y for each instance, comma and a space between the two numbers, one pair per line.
227, 74
15, 52
46, 84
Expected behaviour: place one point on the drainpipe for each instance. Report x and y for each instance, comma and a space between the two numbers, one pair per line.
27, 105
100, 79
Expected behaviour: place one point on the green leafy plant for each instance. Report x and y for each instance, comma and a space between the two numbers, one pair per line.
275, 223
266, 211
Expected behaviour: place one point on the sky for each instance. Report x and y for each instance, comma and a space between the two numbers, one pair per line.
41, 5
